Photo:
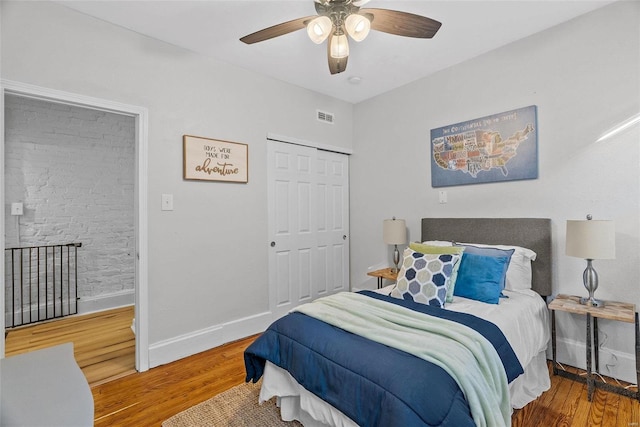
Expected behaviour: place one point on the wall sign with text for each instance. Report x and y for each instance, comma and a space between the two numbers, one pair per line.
208, 159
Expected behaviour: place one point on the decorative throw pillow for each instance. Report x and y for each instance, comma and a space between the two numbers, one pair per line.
442, 249
435, 249
490, 252
519, 273
480, 277
423, 277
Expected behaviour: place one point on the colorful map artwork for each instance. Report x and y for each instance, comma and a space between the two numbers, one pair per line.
500, 147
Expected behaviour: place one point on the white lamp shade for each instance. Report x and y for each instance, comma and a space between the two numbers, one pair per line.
339, 46
319, 29
591, 239
357, 26
394, 231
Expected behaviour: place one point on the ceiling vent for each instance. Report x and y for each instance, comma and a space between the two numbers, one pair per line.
325, 117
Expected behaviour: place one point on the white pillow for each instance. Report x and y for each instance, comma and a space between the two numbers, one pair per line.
519, 271
438, 243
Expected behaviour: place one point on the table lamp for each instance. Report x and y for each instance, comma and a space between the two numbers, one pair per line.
394, 232
591, 239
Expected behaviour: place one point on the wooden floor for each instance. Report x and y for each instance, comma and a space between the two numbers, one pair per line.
104, 344
149, 398
566, 404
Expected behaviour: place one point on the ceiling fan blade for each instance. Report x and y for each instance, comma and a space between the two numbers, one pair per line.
402, 23
277, 30
336, 65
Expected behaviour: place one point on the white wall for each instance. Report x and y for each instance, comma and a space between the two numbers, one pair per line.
73, 170
583, 82
207, 257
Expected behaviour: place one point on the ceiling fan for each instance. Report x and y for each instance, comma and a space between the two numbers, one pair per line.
337, 18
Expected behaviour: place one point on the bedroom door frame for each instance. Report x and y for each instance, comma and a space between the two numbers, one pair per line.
280, 302
140, 115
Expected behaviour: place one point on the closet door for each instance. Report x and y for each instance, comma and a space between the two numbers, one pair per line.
332, 224
308, 224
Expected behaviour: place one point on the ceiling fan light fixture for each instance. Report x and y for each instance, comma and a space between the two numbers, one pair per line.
339, 45
337, 20
319, 29
357, 26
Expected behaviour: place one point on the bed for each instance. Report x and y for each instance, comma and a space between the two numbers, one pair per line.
370, 359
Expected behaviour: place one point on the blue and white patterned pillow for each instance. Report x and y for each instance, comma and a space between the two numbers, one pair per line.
423, 277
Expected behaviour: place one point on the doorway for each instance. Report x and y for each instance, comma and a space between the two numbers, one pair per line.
139, 247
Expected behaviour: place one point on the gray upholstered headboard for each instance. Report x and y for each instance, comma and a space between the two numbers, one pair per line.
532, 233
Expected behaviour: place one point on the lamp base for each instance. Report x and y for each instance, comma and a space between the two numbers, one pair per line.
396, 259
590, 280
591, 302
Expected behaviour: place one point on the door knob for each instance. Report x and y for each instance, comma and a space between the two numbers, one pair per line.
273, 244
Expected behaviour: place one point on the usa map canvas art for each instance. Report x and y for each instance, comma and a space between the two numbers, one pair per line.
500, 147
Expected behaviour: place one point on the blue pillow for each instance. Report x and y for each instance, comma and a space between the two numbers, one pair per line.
491, 252
481, 277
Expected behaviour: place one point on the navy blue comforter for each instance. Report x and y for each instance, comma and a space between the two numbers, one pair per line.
371, 383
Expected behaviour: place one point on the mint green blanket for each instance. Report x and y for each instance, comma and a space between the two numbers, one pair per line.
461, 351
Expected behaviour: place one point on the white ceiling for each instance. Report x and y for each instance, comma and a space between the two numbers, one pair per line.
382, 61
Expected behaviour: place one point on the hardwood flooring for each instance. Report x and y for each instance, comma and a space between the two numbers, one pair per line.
103, 342
149, 398
566, 404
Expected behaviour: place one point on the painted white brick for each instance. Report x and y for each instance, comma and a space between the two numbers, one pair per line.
73, 169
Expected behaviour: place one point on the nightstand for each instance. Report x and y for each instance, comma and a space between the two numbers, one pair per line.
385, 273
612, 310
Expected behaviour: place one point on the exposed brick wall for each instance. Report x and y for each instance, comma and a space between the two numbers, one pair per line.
73, 169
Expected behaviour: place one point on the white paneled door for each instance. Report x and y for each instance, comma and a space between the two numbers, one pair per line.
308, 192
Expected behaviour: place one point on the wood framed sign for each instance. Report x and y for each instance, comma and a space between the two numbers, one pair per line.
207, 159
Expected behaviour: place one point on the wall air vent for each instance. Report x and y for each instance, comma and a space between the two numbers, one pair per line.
325, 117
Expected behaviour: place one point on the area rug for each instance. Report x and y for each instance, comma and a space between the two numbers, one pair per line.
236, 407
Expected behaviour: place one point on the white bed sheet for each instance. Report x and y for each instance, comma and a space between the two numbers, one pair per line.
523, 318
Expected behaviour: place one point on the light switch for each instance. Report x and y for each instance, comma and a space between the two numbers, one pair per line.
443, 196
167, 202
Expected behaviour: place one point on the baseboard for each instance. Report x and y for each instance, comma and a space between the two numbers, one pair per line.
106, 302
82, 306
42, 312
573, 353
186, 345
